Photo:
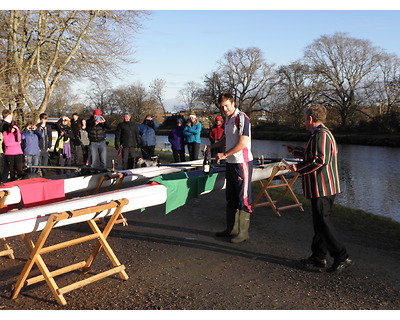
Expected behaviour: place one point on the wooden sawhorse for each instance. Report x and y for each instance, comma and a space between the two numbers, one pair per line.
38, 249
287, 185
7, 249
118, 177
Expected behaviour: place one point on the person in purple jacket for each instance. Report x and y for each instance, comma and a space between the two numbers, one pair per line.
177, 140
31, 137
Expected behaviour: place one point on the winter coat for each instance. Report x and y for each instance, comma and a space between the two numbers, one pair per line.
127, 135
97, 133
47, 140
148, 133
192, 133
12, 143
177, 138
216, 133
1, 143
31, 142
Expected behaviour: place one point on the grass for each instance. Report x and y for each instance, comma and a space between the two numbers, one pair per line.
352, 218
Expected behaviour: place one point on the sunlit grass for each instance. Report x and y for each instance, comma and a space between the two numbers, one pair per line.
353, 218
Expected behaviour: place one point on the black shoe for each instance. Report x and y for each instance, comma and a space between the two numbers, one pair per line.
339, 266
314, 262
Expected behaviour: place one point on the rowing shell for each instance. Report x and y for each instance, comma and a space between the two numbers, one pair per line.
89, 182
28, 220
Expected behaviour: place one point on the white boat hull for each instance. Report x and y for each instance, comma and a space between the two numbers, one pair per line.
90, 182
29, 220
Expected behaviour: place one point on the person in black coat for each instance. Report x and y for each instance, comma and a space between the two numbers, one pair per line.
128, 139
96, 127
45, 143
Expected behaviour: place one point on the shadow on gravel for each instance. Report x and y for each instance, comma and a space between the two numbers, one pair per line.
194, 242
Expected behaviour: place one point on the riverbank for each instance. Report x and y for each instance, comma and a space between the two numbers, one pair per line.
366, 139
175, 262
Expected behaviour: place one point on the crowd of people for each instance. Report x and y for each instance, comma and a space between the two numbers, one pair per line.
82, 142
190, 135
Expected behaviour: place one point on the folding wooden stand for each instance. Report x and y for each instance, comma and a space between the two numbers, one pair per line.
7, 249
118, 177
287, 185
38, 249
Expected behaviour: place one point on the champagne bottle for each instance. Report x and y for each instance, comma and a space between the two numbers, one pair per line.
206, 164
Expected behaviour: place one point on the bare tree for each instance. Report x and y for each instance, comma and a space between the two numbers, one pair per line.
388, 83
342, 64
62, 100
190, 94
298, 89
157, 92
249, 76
136, 100
38, 48
99, 93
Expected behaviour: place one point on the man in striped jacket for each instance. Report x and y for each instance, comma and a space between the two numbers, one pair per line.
319, 170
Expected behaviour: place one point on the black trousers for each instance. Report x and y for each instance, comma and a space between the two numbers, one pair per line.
325, 237
238, 186
179, 155
129, 157
148, 152
15, 165
193, 148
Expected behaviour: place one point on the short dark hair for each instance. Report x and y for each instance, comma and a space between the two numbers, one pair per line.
42, 115
226, 96
317, 112
5, 113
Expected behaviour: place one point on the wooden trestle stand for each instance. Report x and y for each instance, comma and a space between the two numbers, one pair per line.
38, 249
117, 178
286, 185
7, 249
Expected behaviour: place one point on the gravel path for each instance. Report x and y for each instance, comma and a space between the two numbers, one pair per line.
175, 262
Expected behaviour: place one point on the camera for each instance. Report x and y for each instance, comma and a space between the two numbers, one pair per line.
98, 118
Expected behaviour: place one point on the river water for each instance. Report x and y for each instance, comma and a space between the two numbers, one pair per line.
370, 176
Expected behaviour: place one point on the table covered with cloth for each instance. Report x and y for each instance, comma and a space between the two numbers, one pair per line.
184, 186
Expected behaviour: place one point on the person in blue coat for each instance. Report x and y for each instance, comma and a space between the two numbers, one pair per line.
192, 133
177, 140
147, 131
31, 137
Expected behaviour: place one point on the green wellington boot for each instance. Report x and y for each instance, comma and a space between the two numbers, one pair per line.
244, 224
232, 224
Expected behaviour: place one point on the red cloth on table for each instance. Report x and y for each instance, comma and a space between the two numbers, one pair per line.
39, 191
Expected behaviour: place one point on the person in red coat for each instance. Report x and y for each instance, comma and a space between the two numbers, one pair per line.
216, 134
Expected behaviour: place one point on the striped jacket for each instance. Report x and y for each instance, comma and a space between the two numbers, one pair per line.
319, 168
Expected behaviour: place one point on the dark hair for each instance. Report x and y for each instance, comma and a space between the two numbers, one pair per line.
5, 113
12, 125
317, 112
42, 115
226, 96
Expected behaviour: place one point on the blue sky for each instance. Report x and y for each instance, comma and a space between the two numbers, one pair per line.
182, 41
181, 46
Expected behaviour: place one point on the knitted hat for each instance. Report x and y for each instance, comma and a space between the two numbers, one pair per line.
97, 112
